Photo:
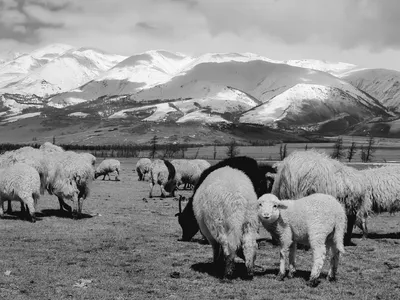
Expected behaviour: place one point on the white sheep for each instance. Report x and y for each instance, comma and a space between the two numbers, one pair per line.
303, 173
225, 207
382, 193
162, 172
20, 182
72, 172
203, 164
108, 166
143, 168
187, 171
318, 220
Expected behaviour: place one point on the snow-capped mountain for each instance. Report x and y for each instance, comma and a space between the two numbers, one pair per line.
61, 71
161, 86
382, 84
334, 68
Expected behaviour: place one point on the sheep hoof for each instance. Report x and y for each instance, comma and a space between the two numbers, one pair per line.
331, 278
291, 274
280, 277
248, 276
313, 282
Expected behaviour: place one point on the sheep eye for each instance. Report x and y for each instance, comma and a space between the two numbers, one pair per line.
275, 206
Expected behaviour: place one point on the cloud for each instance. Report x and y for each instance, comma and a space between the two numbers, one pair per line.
270, 27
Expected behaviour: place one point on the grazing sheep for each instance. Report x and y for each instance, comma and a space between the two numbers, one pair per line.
303, 173
318, 220
382, 193
203, 164
187, 172
72, 172
143, 168
89, 157
249, 166
106, 167
20, 182
162, 172
225, 207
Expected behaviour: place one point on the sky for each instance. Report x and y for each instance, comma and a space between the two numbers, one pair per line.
362, 32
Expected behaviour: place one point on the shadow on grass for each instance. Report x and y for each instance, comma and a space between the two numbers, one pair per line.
17, 215
377, 236
240, 271
60, 214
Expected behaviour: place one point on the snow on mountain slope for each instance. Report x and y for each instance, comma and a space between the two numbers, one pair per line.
15, 69
148, 69
68, 71
334, 68
383, 84
306, 104
258, 79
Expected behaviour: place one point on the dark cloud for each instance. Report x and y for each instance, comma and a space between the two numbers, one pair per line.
145, 26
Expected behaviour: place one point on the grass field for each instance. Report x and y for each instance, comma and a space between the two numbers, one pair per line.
129, 249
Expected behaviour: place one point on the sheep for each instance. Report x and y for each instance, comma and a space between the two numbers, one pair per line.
143, 168
303, 173
20, 182
187, 171
249, 166
72, 172
106, 167
162, 172
382, 193
318, 220
225, 208
30, 156
203, 165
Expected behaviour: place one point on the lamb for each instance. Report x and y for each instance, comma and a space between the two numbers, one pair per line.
108, 166
303, 173
162, 172
225, 207
382, 193
143, 168
318, 220
20, 182
187, 171
249, 166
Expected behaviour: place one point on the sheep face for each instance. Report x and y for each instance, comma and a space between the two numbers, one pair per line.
268, 208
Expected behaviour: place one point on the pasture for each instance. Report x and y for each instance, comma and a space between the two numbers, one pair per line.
127, 248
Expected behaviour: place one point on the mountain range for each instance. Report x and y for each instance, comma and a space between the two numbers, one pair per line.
70, 92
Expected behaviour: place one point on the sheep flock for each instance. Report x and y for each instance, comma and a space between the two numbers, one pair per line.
307, 198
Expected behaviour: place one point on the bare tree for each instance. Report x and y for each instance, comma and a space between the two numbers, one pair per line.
351, 151
283, 151
215, 152
369, 151
338, 149
232, 149
306, 147
153, 143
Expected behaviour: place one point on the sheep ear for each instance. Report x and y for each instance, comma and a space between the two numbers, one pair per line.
281, 205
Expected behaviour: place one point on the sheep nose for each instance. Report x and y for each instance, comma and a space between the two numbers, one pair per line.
266, 216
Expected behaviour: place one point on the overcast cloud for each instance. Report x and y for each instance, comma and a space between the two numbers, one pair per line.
363, 32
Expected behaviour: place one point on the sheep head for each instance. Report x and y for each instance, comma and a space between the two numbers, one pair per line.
268, 208
187, 220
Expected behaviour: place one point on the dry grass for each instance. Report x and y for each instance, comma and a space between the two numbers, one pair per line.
131, 251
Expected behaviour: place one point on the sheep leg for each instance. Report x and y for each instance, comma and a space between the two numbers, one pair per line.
292, 259
364, 228
9, 207
29, 202
151, 189
351, 219
335, 254
76, 213
1, 208
319, 253
163, 191
282, 268
117, 176
64, 205
104, 176
249, 248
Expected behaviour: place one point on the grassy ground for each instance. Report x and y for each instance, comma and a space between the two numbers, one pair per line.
129, 249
